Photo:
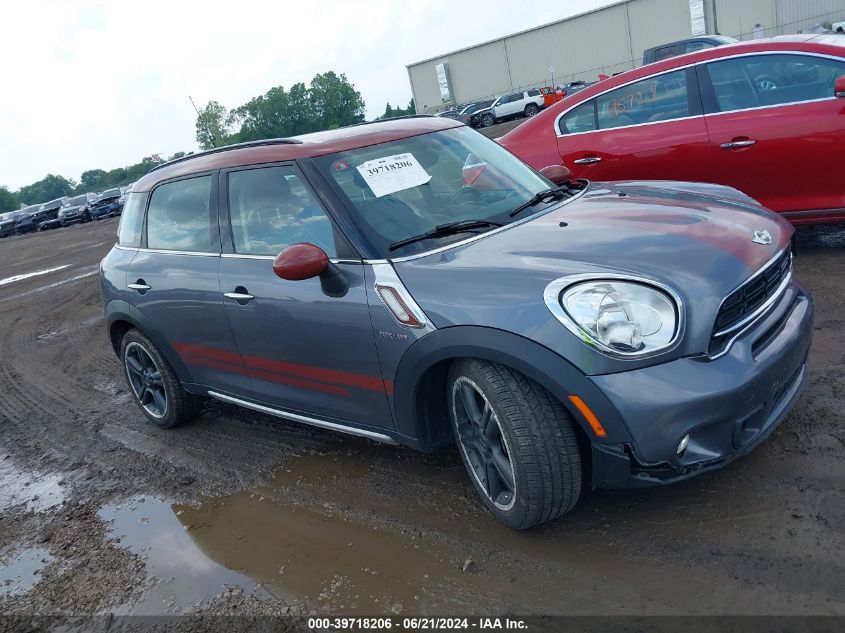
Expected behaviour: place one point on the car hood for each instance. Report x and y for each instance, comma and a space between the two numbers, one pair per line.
694, 238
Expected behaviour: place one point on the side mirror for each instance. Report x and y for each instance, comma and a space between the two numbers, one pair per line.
306, 261
558, 174
839, 87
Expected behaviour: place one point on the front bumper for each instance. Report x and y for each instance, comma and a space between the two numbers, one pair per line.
727, 406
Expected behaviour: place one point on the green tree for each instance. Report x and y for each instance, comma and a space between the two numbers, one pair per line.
48, 188
90, 179
8, 200
391, 112
334, 101
212, 125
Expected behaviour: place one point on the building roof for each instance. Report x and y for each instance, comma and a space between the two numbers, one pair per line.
303, 146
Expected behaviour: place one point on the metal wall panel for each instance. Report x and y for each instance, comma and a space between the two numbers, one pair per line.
797, 15
738, 18
654, 22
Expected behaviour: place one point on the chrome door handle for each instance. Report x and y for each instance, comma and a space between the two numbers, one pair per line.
139, 287
239, 296
588, 160
734, 144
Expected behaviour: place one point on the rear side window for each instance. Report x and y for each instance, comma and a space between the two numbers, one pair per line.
659, 98
698, 45
580, 119
132, 220
271, 208
179, 219
666, 52
534, 93
765, 80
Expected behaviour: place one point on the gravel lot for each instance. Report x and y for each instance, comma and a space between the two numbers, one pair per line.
242, 513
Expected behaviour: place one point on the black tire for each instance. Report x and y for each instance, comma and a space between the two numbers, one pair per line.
487, 119
179, 405
531, 109
535, 433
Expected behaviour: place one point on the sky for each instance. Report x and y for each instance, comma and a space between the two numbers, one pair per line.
97, 85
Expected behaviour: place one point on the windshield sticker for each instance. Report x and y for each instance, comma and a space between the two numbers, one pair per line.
393, 173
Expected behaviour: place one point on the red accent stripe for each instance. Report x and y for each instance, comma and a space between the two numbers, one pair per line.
306, 376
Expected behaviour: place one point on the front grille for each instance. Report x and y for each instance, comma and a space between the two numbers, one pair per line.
740, 306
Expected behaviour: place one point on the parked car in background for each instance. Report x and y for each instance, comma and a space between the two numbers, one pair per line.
35, 214
763, 116
77, 209
525, 103
9, 220
681, 47
106, 205
456, 114
838, 27
435, 289
477, 110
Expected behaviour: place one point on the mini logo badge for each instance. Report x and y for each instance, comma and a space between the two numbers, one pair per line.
762, 237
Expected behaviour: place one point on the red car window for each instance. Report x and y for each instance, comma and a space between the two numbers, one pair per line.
659, 98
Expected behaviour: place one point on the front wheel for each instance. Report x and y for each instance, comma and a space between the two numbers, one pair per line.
487, 119
154, 384
516, 441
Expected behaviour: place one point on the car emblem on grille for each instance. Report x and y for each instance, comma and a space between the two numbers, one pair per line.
762, 237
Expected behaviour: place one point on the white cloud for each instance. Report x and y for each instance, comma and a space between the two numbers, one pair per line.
102, 84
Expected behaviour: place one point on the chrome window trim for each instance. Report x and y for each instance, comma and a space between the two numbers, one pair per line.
271, 258
474, 238
767, 107
551, 297
684, 67
766, 304
164, 251
297, 417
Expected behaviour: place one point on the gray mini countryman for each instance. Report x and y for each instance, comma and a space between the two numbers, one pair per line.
412, 282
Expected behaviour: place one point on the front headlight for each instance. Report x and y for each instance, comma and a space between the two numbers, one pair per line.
618, 316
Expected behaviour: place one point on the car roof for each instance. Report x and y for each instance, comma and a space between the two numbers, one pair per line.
303, 146
825, 43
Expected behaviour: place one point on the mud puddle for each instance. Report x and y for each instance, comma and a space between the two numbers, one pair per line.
19, 573
35, 491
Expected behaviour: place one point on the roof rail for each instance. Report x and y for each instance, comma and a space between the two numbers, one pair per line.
225, 148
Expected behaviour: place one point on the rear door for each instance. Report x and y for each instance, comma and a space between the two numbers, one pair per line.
776, 130
173, 281
649, 129
305, 351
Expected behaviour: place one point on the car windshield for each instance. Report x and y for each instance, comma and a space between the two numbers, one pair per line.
78, 200
408, 187
110, 193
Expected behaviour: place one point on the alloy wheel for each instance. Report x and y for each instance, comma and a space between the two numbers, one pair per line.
483, 443
145, 379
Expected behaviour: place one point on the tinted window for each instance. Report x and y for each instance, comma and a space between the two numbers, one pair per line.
132, 221
764, 80
178, 218
697, 45
666, 52
517, 96
580, 119
271, 208
534, 93
110, 193
659, 98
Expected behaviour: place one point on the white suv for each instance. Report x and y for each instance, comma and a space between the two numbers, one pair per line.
526, 103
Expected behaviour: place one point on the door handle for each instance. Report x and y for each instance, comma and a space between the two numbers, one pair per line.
587, 160
140, 285
240, 295
735, 144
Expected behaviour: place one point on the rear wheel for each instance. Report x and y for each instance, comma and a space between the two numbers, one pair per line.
516, 441
531, 109
154, 384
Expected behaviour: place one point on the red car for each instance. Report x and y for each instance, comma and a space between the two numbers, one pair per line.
766, 117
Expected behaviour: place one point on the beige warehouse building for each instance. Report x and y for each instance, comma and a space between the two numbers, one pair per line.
608, 40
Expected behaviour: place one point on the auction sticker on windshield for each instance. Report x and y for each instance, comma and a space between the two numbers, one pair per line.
393, 173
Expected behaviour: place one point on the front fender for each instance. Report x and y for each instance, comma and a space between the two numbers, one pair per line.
414, 406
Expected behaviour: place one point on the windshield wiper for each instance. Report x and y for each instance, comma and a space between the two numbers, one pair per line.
444, 230
542, 196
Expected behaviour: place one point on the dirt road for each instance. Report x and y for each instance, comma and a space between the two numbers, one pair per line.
102, 512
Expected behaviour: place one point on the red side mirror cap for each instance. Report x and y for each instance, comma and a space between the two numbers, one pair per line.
301, 261
839, 87
558, 174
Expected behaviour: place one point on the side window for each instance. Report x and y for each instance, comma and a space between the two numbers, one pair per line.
659, 98
666, 52
517, 96
271, 208
132, 220
765, 80
580, 119
534, 93
178, 218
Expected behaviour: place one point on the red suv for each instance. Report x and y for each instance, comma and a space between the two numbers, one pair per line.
766, 117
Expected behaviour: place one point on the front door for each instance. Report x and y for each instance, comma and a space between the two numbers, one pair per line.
776, 130
651, 129
305, 351
175, 283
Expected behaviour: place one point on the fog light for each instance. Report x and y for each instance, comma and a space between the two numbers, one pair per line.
683, 445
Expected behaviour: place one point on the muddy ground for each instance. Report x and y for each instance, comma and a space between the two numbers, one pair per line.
240, 512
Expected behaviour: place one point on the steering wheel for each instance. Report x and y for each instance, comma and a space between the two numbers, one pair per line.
464, 194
